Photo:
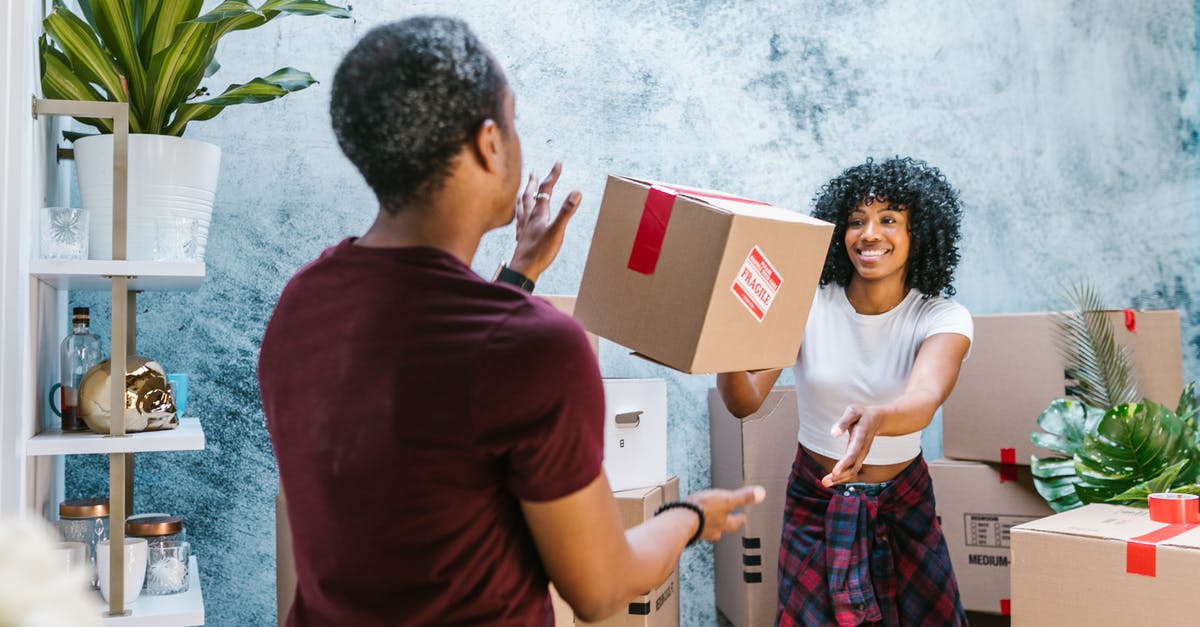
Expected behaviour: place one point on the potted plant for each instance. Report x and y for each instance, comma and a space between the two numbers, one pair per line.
1112, 447
153, 54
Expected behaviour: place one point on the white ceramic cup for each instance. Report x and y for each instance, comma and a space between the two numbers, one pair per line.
135, 567
73, 556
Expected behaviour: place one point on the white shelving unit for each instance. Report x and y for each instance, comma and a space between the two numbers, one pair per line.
49, 283
145, 276
34, 295
172, 610
188, 436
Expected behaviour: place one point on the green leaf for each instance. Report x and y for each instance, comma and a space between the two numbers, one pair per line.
1058, 492
305, 7
178, 69
60, 82
1052, 467
160, 31
1131, 445
1189, 405
143, 14
1137, 495
113, 20
77, 40
275, 85
1101, 369
71, 136
227, 10
1066, 422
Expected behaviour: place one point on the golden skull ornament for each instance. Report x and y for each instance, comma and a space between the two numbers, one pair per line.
149, 405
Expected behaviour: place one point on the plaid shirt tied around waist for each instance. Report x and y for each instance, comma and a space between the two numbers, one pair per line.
864, 553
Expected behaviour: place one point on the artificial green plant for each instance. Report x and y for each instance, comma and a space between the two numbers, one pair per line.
1114, 449
154, 54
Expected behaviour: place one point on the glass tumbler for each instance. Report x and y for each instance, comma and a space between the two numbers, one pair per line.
64, 233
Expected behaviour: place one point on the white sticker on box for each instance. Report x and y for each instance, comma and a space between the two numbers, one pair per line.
756, 284
991, 530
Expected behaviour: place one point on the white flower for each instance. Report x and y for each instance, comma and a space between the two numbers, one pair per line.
36, 589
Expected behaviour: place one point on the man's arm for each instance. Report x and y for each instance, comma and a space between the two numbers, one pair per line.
597, 566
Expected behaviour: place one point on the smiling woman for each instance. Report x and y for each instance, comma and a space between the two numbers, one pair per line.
881, 351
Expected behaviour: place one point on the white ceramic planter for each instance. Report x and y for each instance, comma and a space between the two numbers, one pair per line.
169, 177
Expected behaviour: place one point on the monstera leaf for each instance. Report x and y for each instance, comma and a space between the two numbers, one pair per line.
1189, 406
1137, 495
1118, 456
1066, 423
1131, 445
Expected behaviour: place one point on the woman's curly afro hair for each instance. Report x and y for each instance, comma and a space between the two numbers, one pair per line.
933, 211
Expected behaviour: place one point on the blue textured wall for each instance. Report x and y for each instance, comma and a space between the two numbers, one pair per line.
1070, 128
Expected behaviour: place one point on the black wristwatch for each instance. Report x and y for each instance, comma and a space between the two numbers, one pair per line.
512, 277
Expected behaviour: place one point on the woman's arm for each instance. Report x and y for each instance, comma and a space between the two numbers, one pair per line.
933, 376
744, 392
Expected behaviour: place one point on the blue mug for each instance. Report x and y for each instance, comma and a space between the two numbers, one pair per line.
179, 390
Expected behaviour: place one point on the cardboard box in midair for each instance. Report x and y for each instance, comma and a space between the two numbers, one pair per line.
758, 449
698, 280
1081, 568
1014, 372
977, 505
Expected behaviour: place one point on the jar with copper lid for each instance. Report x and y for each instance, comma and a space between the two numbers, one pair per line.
167, 559
86, 521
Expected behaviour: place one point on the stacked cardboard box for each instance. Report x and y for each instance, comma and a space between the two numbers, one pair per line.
1013, 372
758, 449
658, 607
1105, 565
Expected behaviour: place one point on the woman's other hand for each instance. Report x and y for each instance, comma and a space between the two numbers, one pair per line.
862, 422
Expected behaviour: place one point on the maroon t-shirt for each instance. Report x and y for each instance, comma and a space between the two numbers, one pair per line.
412, 405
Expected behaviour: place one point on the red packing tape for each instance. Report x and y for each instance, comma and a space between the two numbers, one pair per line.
656, 213
647, 244
1181, 512
1131, 320
1008, 464
1174, 508
1005, 607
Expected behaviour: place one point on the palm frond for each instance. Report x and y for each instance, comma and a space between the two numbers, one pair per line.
1099, 369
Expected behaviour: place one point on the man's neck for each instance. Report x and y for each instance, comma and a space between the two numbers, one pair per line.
424, 226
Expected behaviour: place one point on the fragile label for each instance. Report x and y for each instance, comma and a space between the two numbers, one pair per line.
756, 284
991, 530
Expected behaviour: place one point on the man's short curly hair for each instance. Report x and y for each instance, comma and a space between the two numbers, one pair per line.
934, 214
406, 99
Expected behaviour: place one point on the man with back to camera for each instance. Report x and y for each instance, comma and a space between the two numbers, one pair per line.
439, 437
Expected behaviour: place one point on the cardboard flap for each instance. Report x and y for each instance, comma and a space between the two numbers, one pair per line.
732, 204
1108, 522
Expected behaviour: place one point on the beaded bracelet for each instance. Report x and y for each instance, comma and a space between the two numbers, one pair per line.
692, 506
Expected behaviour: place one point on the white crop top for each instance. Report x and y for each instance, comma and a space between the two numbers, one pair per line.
850, 358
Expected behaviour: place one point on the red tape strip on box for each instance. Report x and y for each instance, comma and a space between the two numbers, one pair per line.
647, 244
1005, 607
1181, 512
1008, 464
1131, 320
656, 213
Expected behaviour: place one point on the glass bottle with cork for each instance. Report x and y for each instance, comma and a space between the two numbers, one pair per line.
79, 352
